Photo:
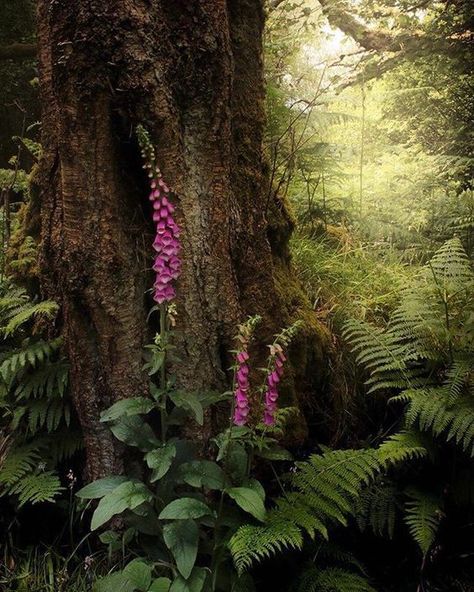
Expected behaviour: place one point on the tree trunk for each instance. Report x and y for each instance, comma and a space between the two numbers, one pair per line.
192, 73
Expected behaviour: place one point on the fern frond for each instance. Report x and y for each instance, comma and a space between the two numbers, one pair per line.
459, 375
49, 381
423, 515
325, 489
377, 508
31, 356
433, 410
11, 300
255, 543
332, 579
28, 312
17, 463
388, 355
63, 444
39, 487
451, 264
47, 414
402, 447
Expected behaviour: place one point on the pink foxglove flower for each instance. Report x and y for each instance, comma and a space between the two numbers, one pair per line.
167, 263
242, 408
273, 379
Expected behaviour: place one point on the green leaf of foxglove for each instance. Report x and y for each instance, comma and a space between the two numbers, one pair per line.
182, 539
101, 487
127, 496
194, 584
116, 582
160, 585
203, 473
139, 573
188, 402
185, 508
127, 407
160, 460
249, 500
135, 432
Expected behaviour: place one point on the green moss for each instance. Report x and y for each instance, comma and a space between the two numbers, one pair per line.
281, 223
308, 356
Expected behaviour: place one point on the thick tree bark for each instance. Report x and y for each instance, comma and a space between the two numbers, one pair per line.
192, 73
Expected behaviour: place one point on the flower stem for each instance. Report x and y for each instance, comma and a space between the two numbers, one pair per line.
215, 562
163, 342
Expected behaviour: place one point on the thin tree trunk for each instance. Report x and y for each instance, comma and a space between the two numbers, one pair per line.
192, 73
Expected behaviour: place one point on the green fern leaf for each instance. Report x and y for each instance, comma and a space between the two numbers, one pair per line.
423, 515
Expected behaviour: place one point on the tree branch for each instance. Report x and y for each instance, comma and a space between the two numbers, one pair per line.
17, 51
339, 16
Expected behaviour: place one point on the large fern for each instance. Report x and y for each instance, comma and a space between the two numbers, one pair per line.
325, 491
428, 358
425, 355
34, 407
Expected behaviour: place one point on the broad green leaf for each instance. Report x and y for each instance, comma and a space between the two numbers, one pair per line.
139, 573
228, 438
156, 393
182, 539
101, 487
211, 398
135, 432
189, 402
116, 582
185, 508
249, 500
160, 460
160, 585
127, 496
256, 486
156, 361
203, 473
127, 407
109, 537
274, 453
194, 584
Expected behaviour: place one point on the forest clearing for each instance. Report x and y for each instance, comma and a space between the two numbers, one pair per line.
236, 296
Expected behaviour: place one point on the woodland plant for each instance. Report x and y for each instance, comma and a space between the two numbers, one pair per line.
425, 359
179, 510
35, 414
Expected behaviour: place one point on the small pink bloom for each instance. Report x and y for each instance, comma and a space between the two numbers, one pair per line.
268, 419
242, 357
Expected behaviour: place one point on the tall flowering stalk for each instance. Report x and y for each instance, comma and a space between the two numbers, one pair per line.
167, 263
275, 369
275, 373
242, 371
242, 407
